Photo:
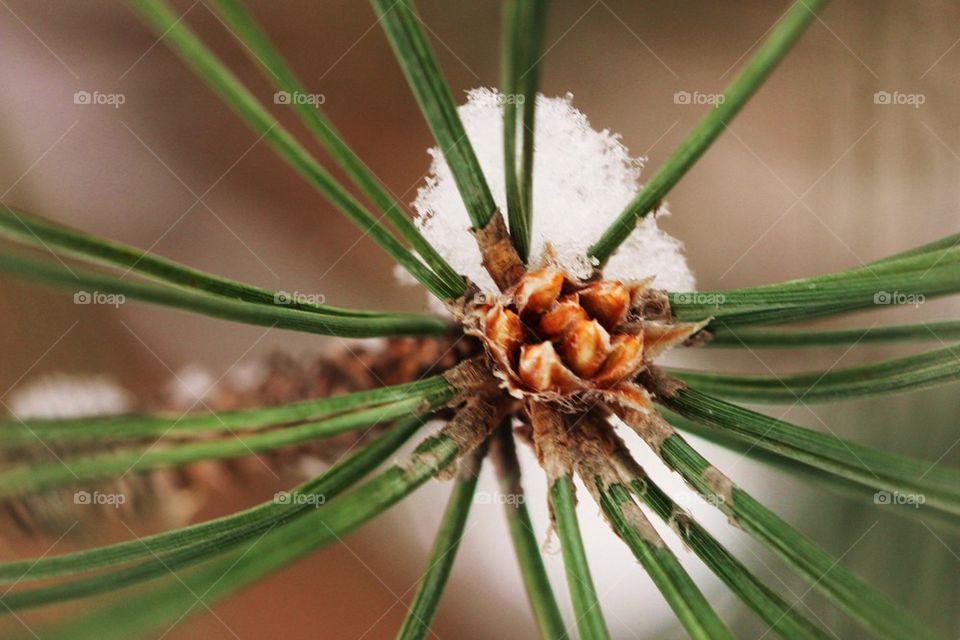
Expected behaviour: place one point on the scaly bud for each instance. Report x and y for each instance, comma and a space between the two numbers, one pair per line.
625, 359
503, 328
538, 290
631, 395
585, 347
554, 323
540, 369
659, 336
608, 301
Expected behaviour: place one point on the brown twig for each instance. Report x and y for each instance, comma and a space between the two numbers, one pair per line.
595, 445
655, 431
500, 258
550, 440
503, 455
471, 378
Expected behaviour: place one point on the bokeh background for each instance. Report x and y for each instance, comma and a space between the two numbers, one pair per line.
813, 176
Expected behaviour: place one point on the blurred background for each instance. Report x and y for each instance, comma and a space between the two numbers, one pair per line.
816, 174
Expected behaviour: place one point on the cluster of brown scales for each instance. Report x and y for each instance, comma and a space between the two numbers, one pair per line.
562, 355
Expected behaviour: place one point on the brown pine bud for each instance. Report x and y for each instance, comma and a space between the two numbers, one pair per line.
659, 337
608, 301
538, 290
541, 369
631, 395
585, 347
625, 359
556, 321
503, 328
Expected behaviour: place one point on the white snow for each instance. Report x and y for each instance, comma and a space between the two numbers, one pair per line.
582, 179
61, 395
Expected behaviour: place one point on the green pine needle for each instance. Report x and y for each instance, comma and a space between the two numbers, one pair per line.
524, 23
178, 548
111, 430
827, 452
897, 375
948, 331
71, 470
170, 602
264, 54
39, 233
89, 283
783, 618
535, 22
416, 624
402, 26
851, 492
543, 602
907, 278
679, 590
768, 55
732, 309
586, 605
873, 610
166, 22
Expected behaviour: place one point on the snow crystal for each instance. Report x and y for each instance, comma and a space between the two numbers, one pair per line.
190, 386
69, 396
582, 179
